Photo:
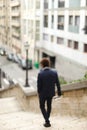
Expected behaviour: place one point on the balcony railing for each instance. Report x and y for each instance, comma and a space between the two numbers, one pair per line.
16, 34
74, 29
15, 13
16, 23
60, 26
74, 3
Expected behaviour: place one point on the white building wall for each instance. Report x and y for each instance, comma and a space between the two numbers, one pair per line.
30, 15
41, 20
80, 37
83, 3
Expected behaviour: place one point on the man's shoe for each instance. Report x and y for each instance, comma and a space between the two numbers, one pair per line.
47, 125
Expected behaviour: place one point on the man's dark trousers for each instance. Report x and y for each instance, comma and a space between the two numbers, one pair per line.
45, 111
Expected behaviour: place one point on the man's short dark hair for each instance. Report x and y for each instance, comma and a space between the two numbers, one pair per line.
45, 62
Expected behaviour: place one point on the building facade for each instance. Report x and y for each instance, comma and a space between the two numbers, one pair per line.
17, 19
30, 23
54, 28
15, 7
10, 27
63, 33
5, 36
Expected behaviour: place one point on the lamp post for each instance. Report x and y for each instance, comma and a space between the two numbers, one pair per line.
26, 46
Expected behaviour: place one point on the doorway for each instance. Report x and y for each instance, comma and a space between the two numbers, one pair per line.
85, 47
52, 59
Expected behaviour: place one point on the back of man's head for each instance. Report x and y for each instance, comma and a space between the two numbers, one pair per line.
45, 62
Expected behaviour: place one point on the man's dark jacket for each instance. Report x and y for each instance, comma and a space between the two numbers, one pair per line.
47, 79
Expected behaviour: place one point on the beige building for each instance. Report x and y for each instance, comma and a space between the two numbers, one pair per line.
30, 23
20, 18
5, 36
15, 25
10, 36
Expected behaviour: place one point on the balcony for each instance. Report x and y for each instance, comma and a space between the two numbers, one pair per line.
45, 24
74, 3
15, 3
15, 14
74, 29
16, 34
16, 23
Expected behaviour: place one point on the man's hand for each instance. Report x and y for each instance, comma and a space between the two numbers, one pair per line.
56, 97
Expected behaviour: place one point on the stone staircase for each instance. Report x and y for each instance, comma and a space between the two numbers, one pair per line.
9, 105
12, 117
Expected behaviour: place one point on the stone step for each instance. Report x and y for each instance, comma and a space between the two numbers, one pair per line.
8, 105
29, 121
13, 118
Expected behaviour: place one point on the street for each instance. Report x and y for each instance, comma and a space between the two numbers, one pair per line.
16, 73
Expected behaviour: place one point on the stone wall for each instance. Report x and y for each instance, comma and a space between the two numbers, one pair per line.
73, 102
28, 101
68, 69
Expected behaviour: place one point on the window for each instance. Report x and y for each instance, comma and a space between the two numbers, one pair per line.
45, 4
60, 22
24, 27
25, 5
85, 47
46, 21
60, 40
45, 37
61, 3
37, 30
75, 45
85, 26
37, 23
52, 21
30, 4
74, 3
30, 29
86, 2
71, 20
37, 37
52, 38
52, 3
37, 4
69, 43
86, 20
77, 20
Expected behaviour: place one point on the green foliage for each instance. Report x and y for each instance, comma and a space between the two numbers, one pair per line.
62, 80
85, 76
79, 80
